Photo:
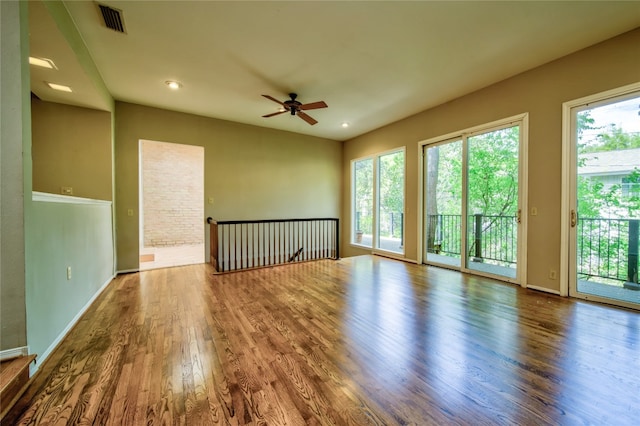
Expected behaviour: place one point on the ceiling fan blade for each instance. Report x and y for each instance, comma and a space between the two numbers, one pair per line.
313, 105
306, 118
274, 113
274, 99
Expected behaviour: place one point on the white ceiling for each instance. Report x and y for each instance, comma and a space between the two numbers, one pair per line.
373, 63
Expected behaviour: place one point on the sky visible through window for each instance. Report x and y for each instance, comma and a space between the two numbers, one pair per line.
625, 115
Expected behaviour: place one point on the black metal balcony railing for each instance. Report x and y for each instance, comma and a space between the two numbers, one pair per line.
606, 248
246, 244
491, 238
391, 224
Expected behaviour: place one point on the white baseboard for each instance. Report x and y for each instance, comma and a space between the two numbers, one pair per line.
42, 357
546, 290
14, 353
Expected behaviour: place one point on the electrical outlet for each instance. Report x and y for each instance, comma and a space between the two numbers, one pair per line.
553, 274
66, 190
68, 272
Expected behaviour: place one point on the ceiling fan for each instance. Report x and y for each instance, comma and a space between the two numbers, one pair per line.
296, 108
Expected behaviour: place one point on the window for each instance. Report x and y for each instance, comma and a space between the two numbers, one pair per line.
378, 201
631, 185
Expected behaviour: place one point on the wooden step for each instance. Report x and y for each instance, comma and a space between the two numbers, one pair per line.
14, 378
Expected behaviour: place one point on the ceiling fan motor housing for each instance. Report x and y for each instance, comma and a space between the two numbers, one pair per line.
293, 104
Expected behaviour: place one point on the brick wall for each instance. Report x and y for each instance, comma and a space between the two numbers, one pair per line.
173, 194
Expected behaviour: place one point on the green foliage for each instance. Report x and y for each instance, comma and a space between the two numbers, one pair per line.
492, 176
595, 199
492, 184
363, 183
493, 173
613, 139
603, 209
391, 194
392, 182
618, 201
448, 182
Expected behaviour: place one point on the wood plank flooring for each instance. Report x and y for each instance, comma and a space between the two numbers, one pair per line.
363, 340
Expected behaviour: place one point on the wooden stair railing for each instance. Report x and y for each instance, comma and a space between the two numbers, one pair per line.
14, 379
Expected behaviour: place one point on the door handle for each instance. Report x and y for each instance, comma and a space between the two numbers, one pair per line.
574, 218
519, 215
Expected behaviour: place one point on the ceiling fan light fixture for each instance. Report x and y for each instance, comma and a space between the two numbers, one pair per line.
173, 85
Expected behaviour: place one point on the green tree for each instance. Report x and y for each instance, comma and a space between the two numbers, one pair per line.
363, 177
613, 139
493, 173
603, 209
391, 193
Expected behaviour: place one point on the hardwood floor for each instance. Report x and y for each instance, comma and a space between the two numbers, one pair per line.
363, 340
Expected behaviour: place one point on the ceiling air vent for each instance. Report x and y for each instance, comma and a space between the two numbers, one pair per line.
112, 18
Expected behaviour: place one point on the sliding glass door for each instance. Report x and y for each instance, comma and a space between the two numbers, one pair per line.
604, 198
476, 176
378, 202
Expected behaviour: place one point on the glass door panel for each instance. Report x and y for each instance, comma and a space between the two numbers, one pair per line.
492, 202
391, 202
607, 194
443, 203
363, 203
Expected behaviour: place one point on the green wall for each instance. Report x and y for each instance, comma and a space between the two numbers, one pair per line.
67, 234
15, 130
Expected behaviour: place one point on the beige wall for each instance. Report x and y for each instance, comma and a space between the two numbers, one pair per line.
251, 172
71, 148
540, 92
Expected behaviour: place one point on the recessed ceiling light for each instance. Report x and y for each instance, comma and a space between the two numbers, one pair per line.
59, 87
345, 124
42, 62
174, 85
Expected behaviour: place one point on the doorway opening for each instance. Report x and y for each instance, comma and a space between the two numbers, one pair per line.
171, 180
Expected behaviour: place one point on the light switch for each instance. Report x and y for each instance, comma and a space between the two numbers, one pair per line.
130, 212
534, 211
210, 200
